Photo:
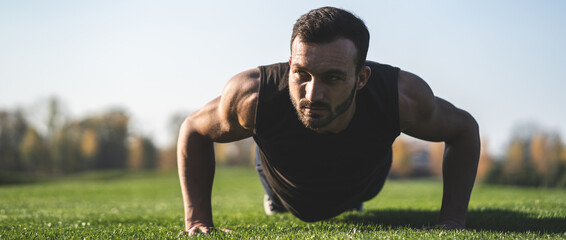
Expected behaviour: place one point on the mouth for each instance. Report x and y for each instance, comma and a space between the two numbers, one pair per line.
314, 109
315, 112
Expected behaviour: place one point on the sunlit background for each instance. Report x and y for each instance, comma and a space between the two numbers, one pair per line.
146, 64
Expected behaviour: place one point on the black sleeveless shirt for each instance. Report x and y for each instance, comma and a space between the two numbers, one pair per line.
318, 176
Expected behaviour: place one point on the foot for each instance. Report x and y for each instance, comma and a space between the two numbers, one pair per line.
270, 207
357, 208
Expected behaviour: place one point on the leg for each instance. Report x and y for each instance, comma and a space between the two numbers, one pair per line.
271, 202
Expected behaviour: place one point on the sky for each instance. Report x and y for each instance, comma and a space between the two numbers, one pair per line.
502, 61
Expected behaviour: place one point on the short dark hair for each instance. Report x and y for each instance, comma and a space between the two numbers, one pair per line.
326, 24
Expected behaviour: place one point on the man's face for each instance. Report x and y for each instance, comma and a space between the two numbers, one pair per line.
323, 82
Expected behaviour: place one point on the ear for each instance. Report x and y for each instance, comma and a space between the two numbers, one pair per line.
289, 61
363, 77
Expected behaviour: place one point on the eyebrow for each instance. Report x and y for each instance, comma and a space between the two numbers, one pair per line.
327, 72
335, 72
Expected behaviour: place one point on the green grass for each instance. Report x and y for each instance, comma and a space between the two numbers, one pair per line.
113, 205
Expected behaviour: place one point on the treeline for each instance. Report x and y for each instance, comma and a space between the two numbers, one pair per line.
58, 144
102, 141
534, 157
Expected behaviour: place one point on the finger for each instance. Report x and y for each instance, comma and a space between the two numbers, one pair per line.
206, 230
446, 226
192, 231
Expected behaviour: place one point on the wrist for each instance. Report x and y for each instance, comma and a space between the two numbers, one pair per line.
452, 224
191, 223
198, 218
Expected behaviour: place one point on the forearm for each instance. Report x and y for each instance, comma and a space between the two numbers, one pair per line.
195, 159
459, 172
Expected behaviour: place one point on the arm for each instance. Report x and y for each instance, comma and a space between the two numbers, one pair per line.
424, 116
230, 117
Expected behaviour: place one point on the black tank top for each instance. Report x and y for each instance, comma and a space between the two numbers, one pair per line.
318, 176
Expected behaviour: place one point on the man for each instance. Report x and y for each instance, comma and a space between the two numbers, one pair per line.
324, 123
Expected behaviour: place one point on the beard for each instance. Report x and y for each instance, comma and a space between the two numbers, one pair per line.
315, 121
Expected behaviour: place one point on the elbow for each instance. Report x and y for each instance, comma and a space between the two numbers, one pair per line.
184, 130
472, 126
466, 140
193, 131
475, 133
187, 134
191, 144
185, 125
471, 138
183, 138
467, 133
189, 128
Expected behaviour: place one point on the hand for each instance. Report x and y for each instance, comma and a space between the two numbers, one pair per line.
449, 225
204, 230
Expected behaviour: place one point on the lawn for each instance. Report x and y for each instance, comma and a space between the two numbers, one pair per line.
114, 205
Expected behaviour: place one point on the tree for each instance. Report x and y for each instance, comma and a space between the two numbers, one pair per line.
539, 153
436, 155
88, 147
34, 155
13, 127
402, 156
112, 132
518, 168
533, 158
235, 153
168, 154
142, 153
485, 162
66, 149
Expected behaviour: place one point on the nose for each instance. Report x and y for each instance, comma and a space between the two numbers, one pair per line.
314, 91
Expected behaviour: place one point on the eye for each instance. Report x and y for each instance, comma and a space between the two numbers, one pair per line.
302, 76
331, 79
335, 78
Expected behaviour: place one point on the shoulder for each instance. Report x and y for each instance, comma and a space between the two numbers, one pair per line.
238, 101
416, 99
383, 80
246, 82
